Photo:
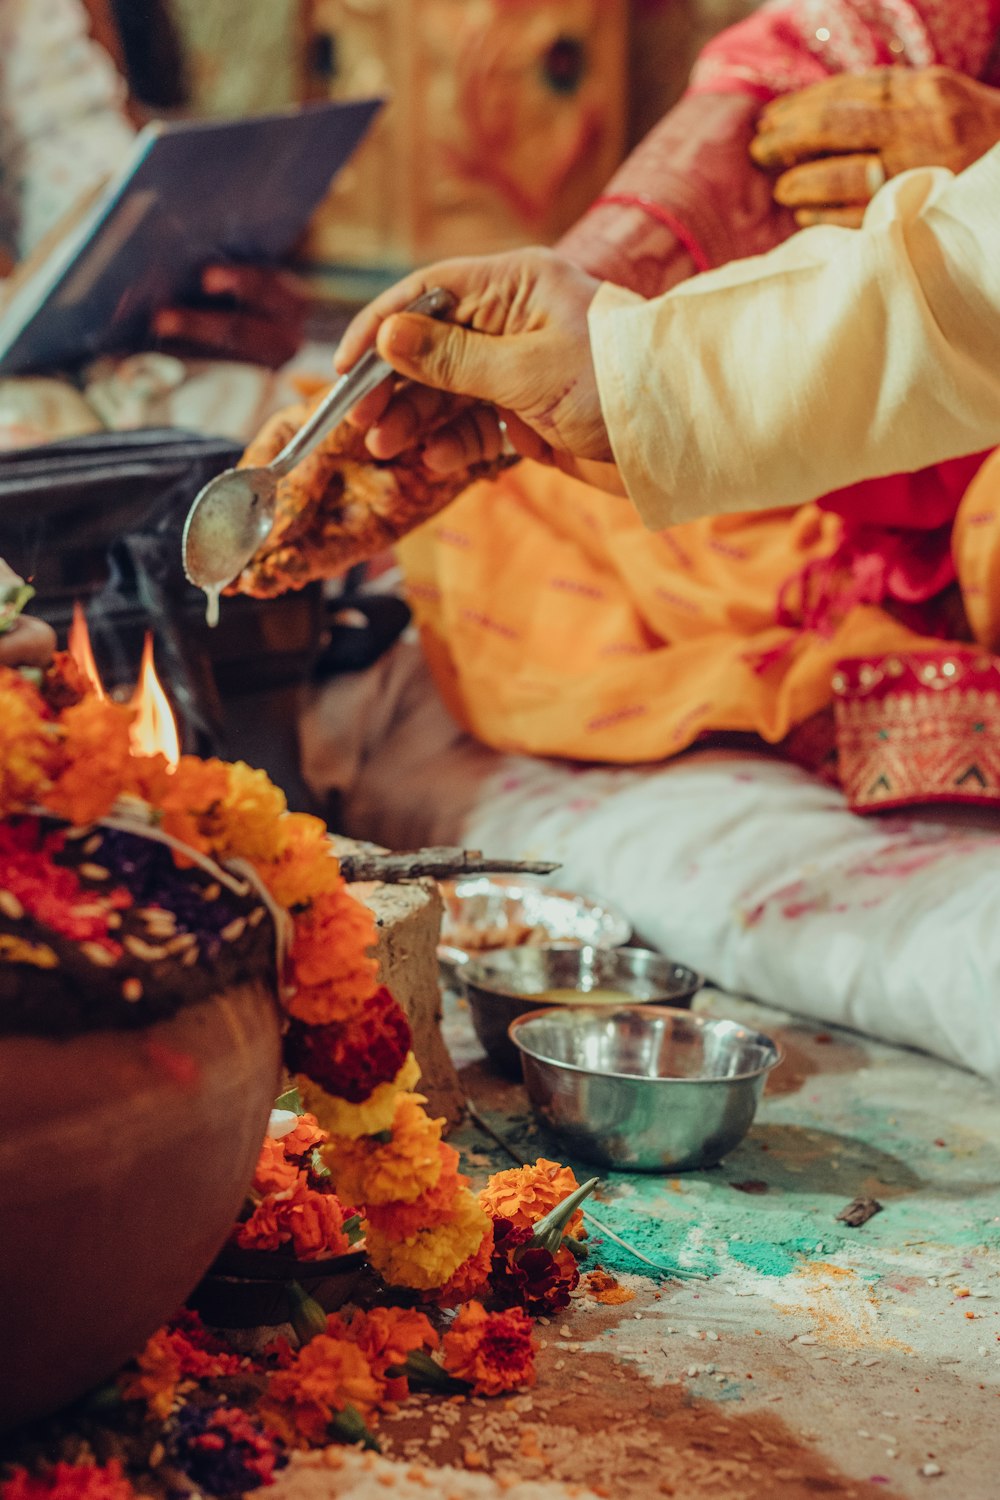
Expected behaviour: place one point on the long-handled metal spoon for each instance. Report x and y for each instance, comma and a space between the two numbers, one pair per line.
234, 513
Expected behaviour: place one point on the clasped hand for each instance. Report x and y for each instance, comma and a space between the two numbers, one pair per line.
512, 363
838, 141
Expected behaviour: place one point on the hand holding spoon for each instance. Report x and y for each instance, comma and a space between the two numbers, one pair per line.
233, 515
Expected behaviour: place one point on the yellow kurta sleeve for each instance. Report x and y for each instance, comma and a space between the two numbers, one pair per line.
841, 355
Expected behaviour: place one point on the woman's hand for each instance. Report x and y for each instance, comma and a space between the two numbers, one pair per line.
260, 316
838, 141
517, 340
25, 642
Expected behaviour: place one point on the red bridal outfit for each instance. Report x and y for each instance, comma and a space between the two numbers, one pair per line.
857, 632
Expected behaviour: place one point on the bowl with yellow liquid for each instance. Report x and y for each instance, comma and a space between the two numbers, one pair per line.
503, 985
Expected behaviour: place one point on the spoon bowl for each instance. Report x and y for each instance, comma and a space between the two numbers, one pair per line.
229, 521
234, 514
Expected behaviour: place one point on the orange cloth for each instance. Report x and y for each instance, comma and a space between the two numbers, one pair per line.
556, 624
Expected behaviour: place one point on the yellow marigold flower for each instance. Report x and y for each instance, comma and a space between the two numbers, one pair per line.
371, 1116
430, 1257
245, 822
303, 866
526, 1194
370, 1170
471, 1277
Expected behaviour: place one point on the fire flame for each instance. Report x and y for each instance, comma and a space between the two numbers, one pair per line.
81, 652
154, 728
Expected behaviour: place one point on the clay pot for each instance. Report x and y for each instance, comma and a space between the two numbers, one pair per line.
124, 1159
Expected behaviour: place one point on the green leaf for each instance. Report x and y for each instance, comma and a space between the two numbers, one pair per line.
421, 1370
348, 1426
304, 1313
549, 1230
13, 599
317, 1164
290, 1099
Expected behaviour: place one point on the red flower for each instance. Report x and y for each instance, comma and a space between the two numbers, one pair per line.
51, 893
493, 1351
70, 1482
349, 1059
528, 1276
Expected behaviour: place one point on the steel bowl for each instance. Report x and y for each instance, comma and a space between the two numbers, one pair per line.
508, 912
510, 982
646, 1089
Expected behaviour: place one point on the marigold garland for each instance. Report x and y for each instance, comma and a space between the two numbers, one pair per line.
471, 1277
430, 1257
437, 1204
374, 1115
66, 750
397, 1170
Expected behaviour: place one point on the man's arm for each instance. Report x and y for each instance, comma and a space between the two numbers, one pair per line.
840, 356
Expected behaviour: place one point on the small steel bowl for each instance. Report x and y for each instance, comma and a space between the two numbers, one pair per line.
511, 982
499, 905
646, 1089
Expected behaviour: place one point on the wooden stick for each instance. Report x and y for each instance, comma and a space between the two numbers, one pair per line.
437, 863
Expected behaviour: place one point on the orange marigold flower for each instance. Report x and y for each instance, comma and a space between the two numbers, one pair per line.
370, 1170
526, 1194
326, 1375
172, 1358
274, 1172
331, 968
430, 1257
311, 1221
387, 1336
495, 1352
93, 761
471, 1277
305, 1136
435, 1206
28, 743
69, 1482
157, 1378
186, 798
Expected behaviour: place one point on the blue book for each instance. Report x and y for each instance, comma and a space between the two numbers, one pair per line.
191, 193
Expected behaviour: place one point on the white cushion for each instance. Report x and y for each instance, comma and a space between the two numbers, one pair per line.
735, 863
